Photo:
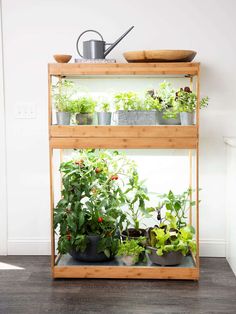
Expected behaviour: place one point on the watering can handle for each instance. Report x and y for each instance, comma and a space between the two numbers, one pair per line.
77, 43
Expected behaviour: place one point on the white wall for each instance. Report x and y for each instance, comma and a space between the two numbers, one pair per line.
35, 30
230, 202
3, 187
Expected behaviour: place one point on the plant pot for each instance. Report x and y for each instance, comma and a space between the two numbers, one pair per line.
90, 254
187, 118
132, 233
136, 117
129, 260
168, 259
104, 118
162, 121
63, 118
84, 118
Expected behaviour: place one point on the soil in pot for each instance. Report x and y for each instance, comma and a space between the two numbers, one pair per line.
168, 259
90, 254
132, 233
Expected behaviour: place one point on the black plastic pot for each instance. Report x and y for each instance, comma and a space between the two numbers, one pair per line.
90, 254
168, 259
132, 233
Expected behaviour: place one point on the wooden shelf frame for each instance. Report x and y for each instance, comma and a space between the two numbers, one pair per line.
125, 137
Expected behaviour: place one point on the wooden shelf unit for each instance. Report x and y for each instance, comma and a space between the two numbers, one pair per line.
125, 137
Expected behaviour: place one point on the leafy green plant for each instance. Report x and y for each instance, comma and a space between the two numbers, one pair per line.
187, 100
131, 248
168, 239
176, 205
92, 195
83, 105
173, 233
105, 107
62, 94
127, 101
163, 100
136, 196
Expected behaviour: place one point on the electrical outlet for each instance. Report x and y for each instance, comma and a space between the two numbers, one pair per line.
25, 111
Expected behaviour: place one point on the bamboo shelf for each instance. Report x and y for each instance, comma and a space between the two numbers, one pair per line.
125, 137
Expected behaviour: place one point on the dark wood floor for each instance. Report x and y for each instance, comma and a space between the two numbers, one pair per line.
31, 290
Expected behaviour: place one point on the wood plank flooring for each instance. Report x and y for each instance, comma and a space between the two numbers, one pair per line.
31, 290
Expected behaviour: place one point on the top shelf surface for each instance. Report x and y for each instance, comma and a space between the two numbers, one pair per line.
119, 69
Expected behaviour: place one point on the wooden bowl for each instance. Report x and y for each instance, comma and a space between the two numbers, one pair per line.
62, 58
160, 56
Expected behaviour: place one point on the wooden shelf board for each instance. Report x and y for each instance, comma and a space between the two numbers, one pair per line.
123, 143
78, 69
69, 268
123, 131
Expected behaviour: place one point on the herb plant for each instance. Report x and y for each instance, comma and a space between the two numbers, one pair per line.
187, 100
131, 248
83, 105
62, 94
127, 101
136, 196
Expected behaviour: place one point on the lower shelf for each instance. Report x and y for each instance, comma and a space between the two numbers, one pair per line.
67, 267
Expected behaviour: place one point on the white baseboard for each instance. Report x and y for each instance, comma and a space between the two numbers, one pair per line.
32, 246
212, 248
40, 246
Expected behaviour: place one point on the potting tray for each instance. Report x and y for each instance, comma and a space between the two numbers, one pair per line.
67, 267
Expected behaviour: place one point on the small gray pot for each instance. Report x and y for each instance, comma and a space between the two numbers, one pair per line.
90, 254
187, 118
168, 259
84, 118
136, 117
104, 118
162, 121
63, 118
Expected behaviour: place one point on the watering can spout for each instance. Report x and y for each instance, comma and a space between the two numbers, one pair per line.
109, 49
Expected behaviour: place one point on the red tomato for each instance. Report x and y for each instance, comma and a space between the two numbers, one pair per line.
100, 219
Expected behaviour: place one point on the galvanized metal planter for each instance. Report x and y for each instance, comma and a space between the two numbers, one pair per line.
104, 118
84, 118
162, 121
135, 117
63, 118
187, 118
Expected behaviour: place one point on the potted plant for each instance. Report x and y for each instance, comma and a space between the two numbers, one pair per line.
172, 238
62, 94
130, 251
135, 199
166, 107
131, 110
104, 116
89, 215
186, 103
84, 108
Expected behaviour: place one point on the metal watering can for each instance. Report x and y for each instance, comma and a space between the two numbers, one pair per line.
96, 49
